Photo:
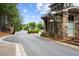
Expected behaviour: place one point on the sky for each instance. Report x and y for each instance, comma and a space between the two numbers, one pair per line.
31, 12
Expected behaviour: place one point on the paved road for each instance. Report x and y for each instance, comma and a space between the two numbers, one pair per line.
35, 46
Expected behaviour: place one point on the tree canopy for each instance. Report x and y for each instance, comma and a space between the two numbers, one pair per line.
11, 10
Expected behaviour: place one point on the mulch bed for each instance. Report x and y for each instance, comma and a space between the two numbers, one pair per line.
2, 34
74, 41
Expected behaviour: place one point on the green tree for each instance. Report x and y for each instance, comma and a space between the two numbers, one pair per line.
32, 25
16, 22
40, 26
25, 27
10, 10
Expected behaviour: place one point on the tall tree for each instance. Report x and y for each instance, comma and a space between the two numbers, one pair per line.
32, 25
40, 25
10, 10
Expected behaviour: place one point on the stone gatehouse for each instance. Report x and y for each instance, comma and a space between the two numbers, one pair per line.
62, 21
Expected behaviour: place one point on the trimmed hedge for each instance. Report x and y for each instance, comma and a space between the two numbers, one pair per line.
33, 31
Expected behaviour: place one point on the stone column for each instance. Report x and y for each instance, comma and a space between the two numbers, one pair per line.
0, 23
45, 26
77, 25
64, 24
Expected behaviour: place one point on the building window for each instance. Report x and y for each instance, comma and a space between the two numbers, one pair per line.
71, 26
71, 18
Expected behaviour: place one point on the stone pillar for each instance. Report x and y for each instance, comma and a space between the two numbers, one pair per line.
0, 23
64, 24
45, 26
48, 27
77, 25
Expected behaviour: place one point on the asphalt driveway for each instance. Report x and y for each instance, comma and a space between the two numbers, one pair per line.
35, 46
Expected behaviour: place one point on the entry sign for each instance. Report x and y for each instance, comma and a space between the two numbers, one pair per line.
51, 20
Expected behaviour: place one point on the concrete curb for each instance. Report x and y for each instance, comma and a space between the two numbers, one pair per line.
5, 37
62, 43
19, 50
66, 44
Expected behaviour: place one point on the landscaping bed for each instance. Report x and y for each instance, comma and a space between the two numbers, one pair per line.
73, 41
2, 34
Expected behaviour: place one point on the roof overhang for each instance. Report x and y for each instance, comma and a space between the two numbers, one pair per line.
46, 16
73, 9
51, 5
70, 9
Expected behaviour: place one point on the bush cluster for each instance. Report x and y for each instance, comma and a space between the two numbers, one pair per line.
33, 31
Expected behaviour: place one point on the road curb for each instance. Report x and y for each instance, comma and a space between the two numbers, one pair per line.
66, 44
62, 43
19, 50
5, 37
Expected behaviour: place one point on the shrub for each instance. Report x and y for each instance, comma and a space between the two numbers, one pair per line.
33, 31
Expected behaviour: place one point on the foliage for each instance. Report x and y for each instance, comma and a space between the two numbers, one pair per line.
25, 27
17, 23
10, 10
32, 27
40, 26
33, 31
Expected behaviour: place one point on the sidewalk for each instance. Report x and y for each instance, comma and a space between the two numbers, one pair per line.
7, 50
10, 48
